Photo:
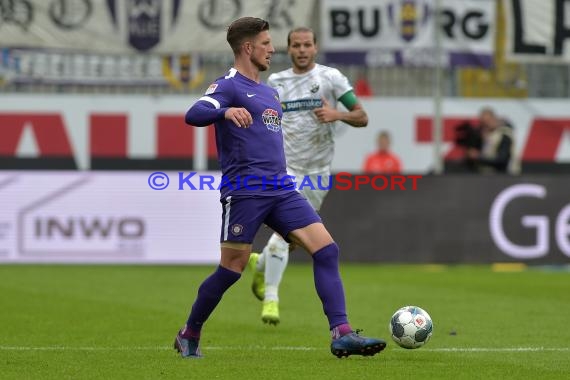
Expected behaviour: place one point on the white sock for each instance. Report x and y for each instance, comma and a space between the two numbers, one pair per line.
276, 254
260, 266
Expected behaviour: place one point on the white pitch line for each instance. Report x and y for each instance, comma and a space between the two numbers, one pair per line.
499, 349
277, 348
150, 348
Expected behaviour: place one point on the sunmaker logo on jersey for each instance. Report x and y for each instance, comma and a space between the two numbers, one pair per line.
301, 105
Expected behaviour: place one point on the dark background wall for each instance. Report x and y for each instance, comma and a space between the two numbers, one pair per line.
446, 220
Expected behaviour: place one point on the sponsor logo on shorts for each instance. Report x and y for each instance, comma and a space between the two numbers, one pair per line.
237, 229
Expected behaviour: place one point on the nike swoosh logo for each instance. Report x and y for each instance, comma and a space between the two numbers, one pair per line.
277, 257
250, 95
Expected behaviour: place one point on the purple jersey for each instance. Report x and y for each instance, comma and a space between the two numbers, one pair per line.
252, 159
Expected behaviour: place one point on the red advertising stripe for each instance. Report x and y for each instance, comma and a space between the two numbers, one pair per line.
174, 138
49, 131
212, 150
108, 135
544, 138
424, 133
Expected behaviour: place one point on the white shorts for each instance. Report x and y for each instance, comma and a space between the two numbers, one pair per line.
316, 193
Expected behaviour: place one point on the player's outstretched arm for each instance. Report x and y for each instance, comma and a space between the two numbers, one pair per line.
239, 116
203, 113
356, 116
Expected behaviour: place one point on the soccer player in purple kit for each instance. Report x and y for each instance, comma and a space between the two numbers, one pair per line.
247, 116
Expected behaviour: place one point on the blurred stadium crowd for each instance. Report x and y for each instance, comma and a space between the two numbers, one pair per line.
44, 69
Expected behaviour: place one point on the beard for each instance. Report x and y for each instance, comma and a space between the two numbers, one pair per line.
261, 66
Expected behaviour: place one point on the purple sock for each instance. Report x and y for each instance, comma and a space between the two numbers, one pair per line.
329, 284
188, 333
209, 295
340, 330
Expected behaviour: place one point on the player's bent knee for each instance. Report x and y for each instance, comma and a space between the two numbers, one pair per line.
235, 255
312, 237
332, 248
236, 245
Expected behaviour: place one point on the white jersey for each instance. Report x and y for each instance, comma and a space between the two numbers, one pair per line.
309, 145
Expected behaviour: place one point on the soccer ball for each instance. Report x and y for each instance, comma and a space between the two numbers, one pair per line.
411, 327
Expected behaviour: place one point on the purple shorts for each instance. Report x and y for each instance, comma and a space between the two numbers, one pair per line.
242, 216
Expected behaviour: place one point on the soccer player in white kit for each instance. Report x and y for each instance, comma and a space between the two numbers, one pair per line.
309, 93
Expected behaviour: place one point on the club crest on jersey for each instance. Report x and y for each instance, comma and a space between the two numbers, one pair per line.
270, 118
314, 87
237, 229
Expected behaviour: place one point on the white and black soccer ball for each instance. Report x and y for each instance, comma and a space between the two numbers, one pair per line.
411, 327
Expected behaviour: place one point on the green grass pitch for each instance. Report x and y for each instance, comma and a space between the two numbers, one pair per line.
118, 322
